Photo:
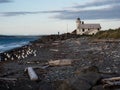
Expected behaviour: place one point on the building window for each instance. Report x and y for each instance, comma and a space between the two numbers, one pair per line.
88, 29
83, 30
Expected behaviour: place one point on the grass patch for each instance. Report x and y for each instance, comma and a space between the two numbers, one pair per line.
108, 34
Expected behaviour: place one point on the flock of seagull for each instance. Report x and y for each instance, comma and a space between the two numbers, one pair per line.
18, 54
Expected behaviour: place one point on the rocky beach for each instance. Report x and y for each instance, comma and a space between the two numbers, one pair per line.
92, 60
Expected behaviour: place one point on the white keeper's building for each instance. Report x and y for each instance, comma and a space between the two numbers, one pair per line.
87, 29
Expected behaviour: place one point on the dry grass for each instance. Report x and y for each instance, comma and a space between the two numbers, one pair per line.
108, 34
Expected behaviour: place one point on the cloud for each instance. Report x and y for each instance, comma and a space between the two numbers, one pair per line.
5, 1
111, 13
18, 13
98, 3
7, 14
103, 9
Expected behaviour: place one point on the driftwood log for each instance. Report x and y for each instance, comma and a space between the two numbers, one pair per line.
114, 81
62, 62
111, 79
7, 79
33, 76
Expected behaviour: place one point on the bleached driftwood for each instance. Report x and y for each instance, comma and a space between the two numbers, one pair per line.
60, 62
55, 43
109, 83
54, 50
8, 79
33, 76
111, 79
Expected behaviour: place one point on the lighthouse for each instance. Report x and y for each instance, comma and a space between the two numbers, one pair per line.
86, 29
78, 22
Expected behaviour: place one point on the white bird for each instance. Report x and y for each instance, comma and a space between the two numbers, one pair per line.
12, 58
5, 59
34, 53
18, 56
23, 56
8, 55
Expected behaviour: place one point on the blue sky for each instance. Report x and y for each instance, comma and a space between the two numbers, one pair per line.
36, 17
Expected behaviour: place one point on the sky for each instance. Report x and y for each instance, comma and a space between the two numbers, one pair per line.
40, 17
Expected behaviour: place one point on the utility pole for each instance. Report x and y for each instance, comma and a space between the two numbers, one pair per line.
67, 31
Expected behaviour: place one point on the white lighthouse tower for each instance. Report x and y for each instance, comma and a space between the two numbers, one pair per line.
78, 23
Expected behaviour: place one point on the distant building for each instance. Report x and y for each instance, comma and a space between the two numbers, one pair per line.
87, 29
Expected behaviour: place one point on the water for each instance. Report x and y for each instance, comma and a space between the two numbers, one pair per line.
7, 43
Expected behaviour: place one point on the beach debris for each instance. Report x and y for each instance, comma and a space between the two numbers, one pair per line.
40, 67
54, 50
7, 79
111, 79
55, 43
33, 76
62, 62
114, 81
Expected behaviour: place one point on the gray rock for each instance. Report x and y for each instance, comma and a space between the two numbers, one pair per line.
90, 69
80, 84
45, 86
61, 85
64, 86
90, 77
23, 87
86, 79
99, 87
